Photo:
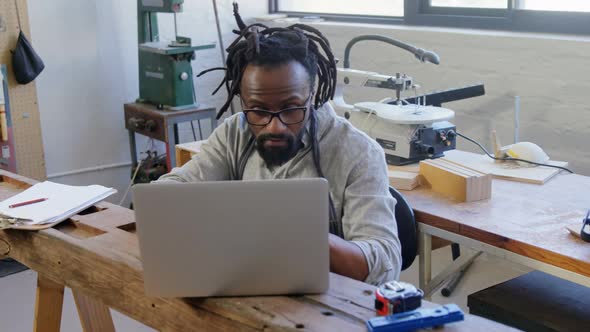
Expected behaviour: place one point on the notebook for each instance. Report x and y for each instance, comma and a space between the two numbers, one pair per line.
62, 201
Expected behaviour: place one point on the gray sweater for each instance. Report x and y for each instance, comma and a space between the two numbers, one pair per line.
353, 163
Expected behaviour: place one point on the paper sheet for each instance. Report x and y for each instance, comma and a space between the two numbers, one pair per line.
62, 202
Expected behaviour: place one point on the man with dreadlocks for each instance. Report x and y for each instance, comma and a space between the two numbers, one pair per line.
273, 72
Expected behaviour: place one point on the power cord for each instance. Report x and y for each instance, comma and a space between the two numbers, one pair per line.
510, 158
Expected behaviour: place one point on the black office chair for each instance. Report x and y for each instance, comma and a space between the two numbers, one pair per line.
407, 229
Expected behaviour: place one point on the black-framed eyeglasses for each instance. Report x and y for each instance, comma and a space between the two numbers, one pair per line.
288, 116
585, 231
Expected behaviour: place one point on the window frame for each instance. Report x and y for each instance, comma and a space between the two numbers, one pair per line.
421, 13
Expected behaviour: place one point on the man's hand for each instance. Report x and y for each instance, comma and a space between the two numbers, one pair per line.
347, 259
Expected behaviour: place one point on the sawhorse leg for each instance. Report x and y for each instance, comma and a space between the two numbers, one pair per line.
48, 305
94, 315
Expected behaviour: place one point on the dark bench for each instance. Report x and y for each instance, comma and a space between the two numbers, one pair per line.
535, 301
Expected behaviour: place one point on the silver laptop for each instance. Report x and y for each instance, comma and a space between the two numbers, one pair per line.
232, 238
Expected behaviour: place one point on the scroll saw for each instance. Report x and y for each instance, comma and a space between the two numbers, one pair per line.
409, 129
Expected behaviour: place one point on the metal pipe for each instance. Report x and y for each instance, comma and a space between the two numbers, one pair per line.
221, 47
456, 278
516, 118
424, 259
175, 28
89, 169
419, 53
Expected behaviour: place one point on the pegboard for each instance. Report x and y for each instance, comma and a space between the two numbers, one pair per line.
24, 109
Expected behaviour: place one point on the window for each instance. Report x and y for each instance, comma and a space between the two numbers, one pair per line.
346, 7
548, 5
470, 4
553, 16
555, 5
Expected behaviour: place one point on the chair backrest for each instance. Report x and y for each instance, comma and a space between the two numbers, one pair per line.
407, 229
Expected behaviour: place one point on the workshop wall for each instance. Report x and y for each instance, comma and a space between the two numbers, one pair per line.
549, 73
90, 52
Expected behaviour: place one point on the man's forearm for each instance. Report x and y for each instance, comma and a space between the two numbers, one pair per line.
347, 259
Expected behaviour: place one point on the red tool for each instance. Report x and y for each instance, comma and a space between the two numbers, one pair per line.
397, 296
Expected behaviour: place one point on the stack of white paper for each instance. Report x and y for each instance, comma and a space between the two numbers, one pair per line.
62, 201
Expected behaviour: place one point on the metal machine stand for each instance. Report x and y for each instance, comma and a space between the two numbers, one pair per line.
147, 120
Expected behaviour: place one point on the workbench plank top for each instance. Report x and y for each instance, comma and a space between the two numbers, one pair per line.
527, 219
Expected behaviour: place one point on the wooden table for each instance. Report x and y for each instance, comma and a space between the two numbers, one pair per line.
96, 254
185, 151
522, 222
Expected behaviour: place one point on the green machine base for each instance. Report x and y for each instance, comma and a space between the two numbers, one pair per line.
166, 75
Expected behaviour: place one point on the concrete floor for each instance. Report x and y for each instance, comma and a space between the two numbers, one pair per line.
17, 293
485, 271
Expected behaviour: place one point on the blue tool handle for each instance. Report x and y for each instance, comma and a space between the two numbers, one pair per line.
416, 319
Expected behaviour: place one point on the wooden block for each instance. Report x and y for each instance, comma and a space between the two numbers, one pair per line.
444, 181
460, 183
403, 180
453, 168
480, 186
185, 151
413, 168
459, 171
458, 167
182, 156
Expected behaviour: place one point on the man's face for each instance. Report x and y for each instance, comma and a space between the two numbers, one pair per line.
274, 89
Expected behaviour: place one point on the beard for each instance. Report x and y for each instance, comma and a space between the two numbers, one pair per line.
278, 155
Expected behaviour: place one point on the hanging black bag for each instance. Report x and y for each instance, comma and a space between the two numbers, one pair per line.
26, 64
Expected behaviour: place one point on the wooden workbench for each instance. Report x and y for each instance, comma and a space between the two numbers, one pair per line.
522, 222
96, 254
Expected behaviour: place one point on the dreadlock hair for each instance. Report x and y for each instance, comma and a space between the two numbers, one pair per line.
260, 45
